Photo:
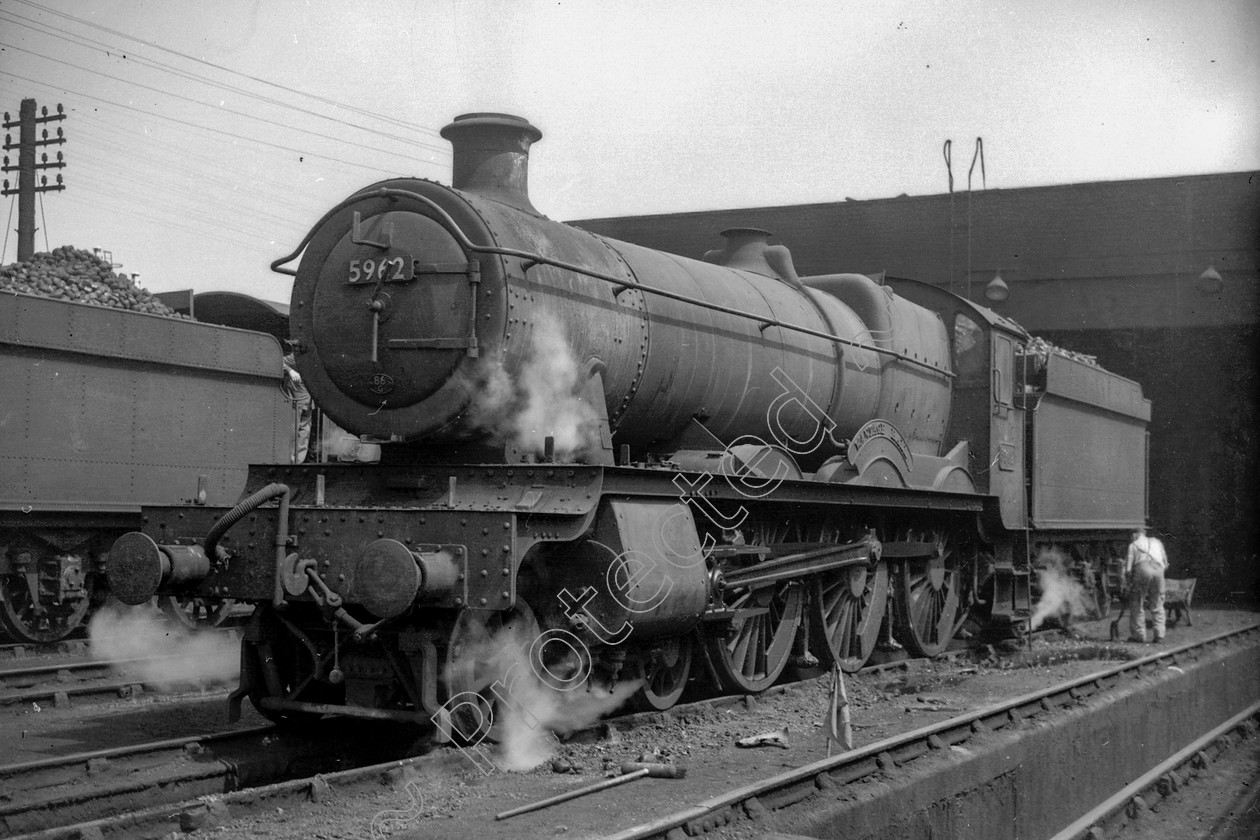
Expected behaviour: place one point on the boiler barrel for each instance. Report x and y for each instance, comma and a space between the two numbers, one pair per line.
424, 313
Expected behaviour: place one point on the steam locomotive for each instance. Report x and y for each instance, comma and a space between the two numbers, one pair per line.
646, 466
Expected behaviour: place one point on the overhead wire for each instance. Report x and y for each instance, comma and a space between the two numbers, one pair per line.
43, 219
142, 60
123, 159
98, 180
180, 203
199, 102
185, 191
205, 232
166, 206
90, 44
7, 225
295, 91
60, 89
209, 128
237, 183
190, 203
187, 221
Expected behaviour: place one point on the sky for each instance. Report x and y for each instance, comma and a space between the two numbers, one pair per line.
203, 140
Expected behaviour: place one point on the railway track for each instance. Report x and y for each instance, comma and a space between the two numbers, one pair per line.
63, 680
146, 783
57, 797
26, 650
796, 790
84, 785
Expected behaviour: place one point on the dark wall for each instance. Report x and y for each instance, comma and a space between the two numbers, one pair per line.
1077, 256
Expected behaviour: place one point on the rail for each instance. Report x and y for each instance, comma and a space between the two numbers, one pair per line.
800, 783
778, 792
1088, 825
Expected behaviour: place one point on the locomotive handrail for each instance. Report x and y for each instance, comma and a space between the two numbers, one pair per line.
538, 259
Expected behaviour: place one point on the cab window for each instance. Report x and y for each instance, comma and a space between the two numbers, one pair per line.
1003, 374
970, 358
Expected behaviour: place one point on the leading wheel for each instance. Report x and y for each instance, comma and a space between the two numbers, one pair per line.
751, 655
926, 601
667, 665
281, 658
194, 613
846, 608
482, 650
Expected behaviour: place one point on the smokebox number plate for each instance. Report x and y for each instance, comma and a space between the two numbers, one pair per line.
398, 269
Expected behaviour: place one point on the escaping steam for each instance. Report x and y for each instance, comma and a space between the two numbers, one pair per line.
1062, 596
530, 710
545, 398
336, 444
173, 657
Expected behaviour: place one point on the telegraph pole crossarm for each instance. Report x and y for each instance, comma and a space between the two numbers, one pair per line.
27, 167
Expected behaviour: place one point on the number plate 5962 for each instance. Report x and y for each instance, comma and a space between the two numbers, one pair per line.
383, 270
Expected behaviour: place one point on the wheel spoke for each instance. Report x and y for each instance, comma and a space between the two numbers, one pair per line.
753, 657
194, 612
20, 618
926, 614
846, 609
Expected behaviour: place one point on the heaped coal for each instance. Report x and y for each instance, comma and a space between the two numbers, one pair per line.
67, 273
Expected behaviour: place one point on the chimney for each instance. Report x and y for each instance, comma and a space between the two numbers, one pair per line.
491, 156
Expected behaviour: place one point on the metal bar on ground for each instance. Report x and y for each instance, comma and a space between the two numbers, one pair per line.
573, 794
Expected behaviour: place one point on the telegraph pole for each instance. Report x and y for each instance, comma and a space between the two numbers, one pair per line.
27, 167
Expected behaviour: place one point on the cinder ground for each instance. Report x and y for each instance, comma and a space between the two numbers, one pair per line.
462, 804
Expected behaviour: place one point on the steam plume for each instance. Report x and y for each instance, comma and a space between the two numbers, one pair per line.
531, 711
174, 656
1061, 595
545, 399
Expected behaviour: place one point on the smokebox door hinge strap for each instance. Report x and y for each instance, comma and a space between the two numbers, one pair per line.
356, 234
467, 342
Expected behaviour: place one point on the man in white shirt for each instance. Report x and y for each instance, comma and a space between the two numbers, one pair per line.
1144, 575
